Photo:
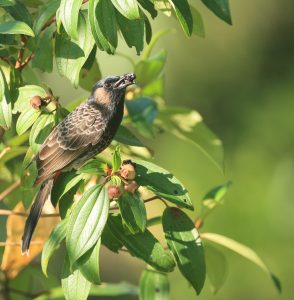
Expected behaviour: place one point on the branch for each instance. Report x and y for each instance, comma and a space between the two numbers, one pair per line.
27, 60
10, 189
50, 22
4, 151
6, 212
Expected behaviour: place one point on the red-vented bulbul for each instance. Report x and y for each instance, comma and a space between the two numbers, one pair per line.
85, 132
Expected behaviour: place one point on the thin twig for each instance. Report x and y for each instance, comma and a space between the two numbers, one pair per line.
151, 199
27, 60
51, 21
13, 244
6, 212
4, 151
10, 189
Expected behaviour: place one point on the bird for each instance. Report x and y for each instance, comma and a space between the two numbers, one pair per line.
84, 133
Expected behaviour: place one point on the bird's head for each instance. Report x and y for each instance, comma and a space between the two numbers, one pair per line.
111, 89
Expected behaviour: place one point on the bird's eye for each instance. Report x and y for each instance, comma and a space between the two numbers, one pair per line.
107, 85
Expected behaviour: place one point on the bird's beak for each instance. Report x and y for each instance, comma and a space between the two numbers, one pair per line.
124, 81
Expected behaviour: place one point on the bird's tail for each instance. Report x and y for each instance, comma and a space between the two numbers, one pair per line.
34, 215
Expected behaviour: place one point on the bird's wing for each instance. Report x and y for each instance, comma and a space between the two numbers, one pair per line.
71, 138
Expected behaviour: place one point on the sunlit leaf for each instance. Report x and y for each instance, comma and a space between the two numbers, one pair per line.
16, 27
88, 264
45, 13
214, 197
242, 250
142, 245
164, 6
93, 167
26, 120
183, 13
5, 104
102, 22
86, 222
220, 8
188, 125
63, 184
75, 286
154, 286
128, 8
19, 12
116, 159
185, 243
216, 267
25, 93
40, 131
52, 244
133, 212
68, 13
162, 183
70, 54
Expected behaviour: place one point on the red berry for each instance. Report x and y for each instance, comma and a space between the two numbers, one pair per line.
114, 191
36, 102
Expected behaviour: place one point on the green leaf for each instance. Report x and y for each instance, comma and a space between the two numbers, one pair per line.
242, 250
142, 245
75, 286
198, 27
220, 8
154, 286
116, 159
133, 212
88, 264
132, 31
142, 112
86, 222
71, 55
164, 6
5, 104
19, 12
188, 125
43, 58
63, 184
109, 240
125, 136
93, 167
26, 120
45, 13
184, 15
102, 21
149, 6
4, 3
52, 244
25, 93
185, 243
128, 8
40, 130
154, 221
150, 69
216, 267
16, 27
154, 88
68, 13
162, 183
215, 196
89, 77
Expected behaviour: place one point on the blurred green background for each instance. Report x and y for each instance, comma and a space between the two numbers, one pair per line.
240, 79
